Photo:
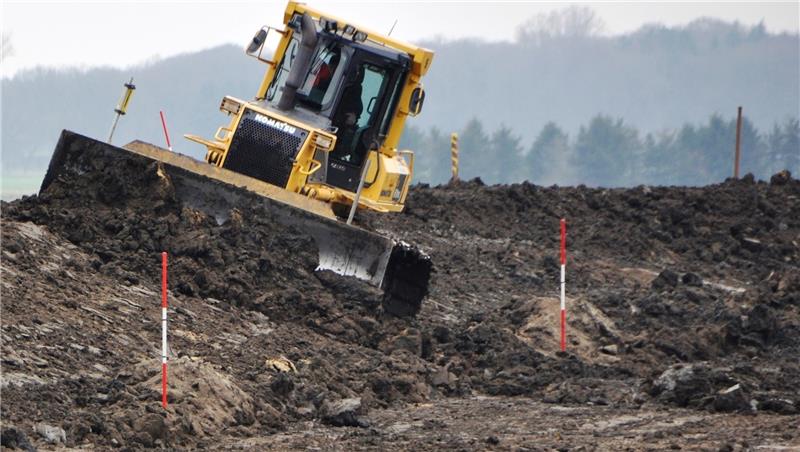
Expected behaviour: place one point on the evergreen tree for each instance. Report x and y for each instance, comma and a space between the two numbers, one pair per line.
606, 152
474, 151
783, 148
686, 153
547, 162
415, 140
411, 139
655, 156
505, 165
791, 142
754, 151
715, 143
437, 145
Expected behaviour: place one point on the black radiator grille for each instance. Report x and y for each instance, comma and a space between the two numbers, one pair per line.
264, 148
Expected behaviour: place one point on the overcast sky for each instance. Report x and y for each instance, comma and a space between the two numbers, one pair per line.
117, 33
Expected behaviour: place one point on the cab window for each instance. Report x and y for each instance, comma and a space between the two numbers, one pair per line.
282, 73
327, 68
357, 113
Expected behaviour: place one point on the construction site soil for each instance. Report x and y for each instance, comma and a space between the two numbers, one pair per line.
683, 322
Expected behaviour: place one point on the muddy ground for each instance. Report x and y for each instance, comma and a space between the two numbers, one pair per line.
683, 317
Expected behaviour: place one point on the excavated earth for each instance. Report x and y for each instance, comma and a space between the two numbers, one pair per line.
683, 322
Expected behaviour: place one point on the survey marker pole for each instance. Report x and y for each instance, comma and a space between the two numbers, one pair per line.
164, 329
166, 133
454, 157
122, 107
563, 285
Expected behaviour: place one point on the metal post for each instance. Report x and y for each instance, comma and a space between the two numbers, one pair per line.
738, 144
364, 172
454, 156
113, 127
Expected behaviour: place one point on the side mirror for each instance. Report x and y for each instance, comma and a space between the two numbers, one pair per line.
257, 42
416, 101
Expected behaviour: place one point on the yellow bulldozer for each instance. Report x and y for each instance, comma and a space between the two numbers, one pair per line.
317, 143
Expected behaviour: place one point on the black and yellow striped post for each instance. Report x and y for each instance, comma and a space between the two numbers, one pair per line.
122, 107
454, 156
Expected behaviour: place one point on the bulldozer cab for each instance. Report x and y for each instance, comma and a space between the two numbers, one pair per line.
334, 97
352, 88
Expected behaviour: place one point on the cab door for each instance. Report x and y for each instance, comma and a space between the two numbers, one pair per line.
364, 99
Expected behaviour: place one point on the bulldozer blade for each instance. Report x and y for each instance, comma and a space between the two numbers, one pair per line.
402, 271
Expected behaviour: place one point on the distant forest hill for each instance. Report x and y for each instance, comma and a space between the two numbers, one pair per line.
655, 78
38, 104
559, 80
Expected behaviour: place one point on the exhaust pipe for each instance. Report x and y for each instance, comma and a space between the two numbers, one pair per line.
297, 74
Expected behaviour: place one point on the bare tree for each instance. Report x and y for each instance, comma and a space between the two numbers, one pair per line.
570, 22
6, 49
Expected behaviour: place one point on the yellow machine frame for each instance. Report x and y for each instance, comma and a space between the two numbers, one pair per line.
390, 170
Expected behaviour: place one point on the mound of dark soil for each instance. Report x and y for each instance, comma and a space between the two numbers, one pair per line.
656, 276
660, 280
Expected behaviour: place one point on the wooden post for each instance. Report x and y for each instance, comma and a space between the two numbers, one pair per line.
738, 144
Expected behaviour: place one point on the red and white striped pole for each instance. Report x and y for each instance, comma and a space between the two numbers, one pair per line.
164, 125
563, 285
164, 329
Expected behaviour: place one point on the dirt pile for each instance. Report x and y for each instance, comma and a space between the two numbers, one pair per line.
656, 276
98, 257
677, 297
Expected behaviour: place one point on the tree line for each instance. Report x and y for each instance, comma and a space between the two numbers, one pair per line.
606, 152
560, 68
